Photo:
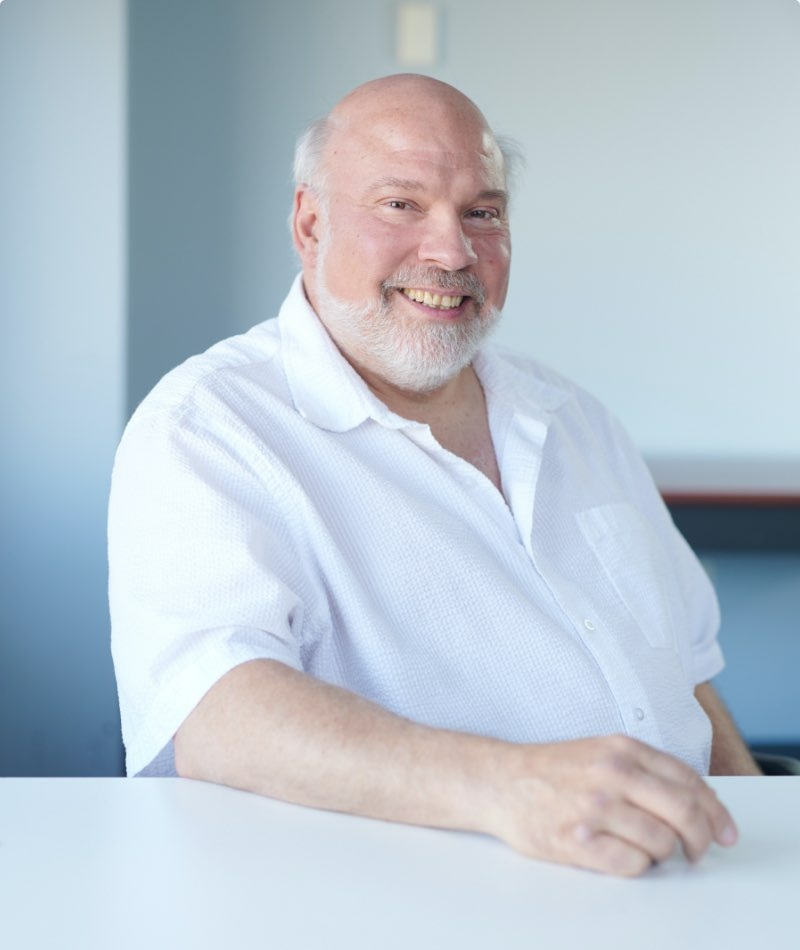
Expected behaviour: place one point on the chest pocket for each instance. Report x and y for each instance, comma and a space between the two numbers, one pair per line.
637, 565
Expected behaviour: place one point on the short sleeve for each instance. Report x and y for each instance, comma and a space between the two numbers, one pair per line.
202, 575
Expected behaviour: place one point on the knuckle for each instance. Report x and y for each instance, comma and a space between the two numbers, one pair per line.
620, 745
695, 783
617, 756
689, 810
618, 765
597, 803
581, 833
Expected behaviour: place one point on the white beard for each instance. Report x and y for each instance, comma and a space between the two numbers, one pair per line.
415, 355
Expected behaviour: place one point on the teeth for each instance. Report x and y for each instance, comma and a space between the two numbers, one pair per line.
438, 301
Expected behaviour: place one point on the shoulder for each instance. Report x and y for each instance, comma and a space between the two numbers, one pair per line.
198, 436
242, 377
210, 413
251, 358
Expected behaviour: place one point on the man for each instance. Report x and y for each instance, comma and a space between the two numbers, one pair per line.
361, 562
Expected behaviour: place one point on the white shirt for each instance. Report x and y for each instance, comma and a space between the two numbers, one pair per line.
265, 504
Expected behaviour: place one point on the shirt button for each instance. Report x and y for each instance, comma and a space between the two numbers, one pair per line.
639, 713
589, 625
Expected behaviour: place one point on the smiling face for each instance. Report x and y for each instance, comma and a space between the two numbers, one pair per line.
406, 252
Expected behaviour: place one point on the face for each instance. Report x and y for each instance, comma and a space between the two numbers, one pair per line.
410, 264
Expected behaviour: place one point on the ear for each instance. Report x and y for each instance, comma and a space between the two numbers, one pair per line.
305, 224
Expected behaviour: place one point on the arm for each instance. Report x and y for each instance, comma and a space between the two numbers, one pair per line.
612, 804
729, 754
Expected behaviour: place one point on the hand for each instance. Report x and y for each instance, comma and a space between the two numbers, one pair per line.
612, 804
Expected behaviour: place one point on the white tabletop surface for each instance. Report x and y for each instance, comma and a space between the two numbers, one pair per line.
149, 863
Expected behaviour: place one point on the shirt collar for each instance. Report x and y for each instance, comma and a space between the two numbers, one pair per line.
325, 388
328, 392
522, 386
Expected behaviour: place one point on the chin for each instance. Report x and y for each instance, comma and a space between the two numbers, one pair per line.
421, 358
417, 356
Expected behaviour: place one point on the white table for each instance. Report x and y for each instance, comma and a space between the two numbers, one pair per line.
150, 863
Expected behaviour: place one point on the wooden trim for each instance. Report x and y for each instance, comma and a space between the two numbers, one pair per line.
730, 499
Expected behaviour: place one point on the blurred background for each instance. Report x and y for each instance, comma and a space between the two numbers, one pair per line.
145, 153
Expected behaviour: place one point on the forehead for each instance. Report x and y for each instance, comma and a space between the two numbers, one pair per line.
415, 147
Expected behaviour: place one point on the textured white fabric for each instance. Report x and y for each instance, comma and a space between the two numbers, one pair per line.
266, 504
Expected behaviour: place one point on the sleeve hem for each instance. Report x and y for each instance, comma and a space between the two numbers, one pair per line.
178, 696
708, 662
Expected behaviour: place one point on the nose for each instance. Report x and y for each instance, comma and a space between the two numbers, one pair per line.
445, 245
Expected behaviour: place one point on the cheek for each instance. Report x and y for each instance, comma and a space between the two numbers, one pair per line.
503, 252
363, 255
495, 260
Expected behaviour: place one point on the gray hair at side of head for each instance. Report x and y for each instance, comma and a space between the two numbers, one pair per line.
513, 162
308, 167
309, 153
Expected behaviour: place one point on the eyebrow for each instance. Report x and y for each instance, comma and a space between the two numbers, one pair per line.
411, 184
403, 184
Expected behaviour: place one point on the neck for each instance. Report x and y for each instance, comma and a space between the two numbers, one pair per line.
456, 414
450, 398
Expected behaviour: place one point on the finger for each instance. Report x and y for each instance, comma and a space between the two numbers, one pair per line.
723, 826
677, 773
667, 789
690, 808
630, 824
603, 852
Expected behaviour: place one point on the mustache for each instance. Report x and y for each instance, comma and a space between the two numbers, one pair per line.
465, 285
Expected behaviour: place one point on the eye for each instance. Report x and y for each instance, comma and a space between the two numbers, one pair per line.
398, 204
484, 214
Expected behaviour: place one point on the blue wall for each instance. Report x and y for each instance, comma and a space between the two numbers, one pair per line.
62, 303
759, 597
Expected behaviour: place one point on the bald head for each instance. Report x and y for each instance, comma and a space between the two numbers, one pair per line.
391, 103
403, 95
402, 85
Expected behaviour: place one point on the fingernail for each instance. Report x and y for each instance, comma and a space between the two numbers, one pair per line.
728, 835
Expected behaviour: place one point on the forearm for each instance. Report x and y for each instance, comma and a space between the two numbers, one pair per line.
729, 753
608, 803
267, 728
